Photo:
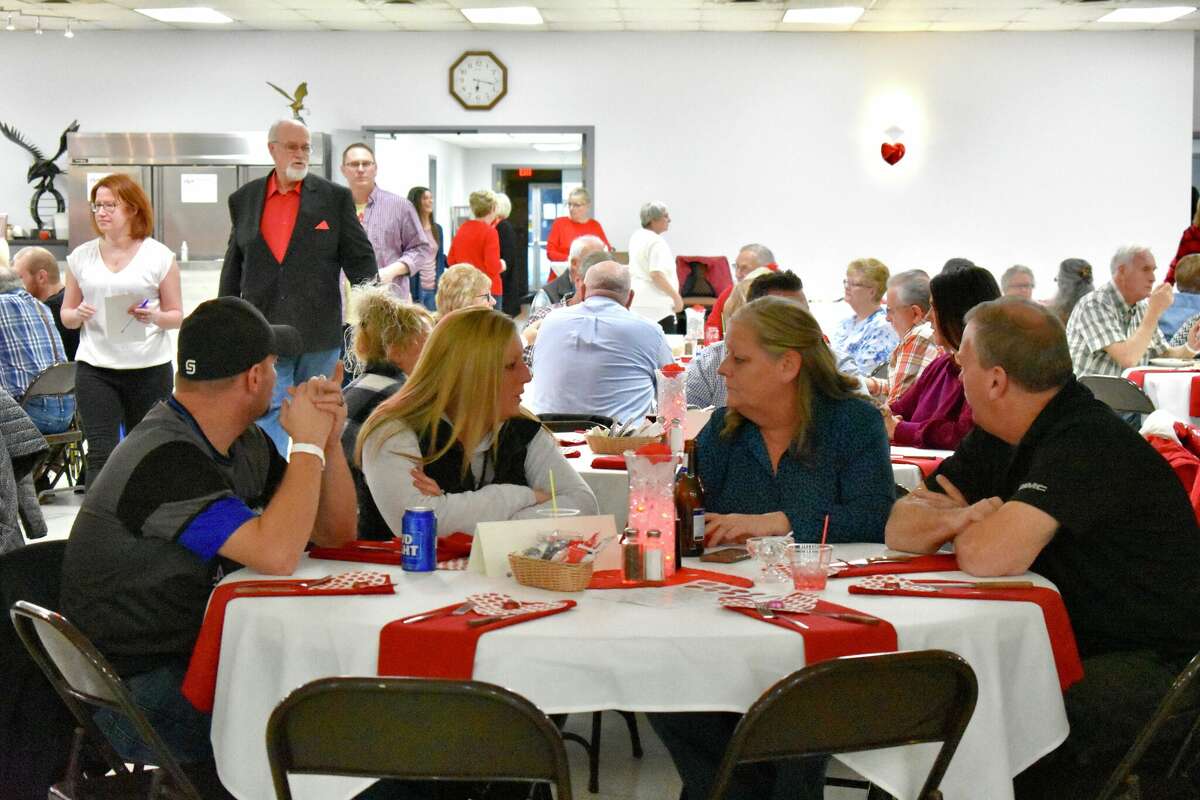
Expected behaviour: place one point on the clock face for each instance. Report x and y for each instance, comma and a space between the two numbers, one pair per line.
478, 80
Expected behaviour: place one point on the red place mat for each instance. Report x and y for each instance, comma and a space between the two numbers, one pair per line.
1058, 624
608, 462
611, 579
927, 464
455, 545
200, 682
443, 647
828, 638
938, 562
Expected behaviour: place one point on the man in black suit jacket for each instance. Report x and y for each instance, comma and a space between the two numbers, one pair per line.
293, 234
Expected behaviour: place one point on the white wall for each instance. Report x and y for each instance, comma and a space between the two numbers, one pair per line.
404, 163
1022, 147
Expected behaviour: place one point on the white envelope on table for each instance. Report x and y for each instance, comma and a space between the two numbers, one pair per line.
495, 540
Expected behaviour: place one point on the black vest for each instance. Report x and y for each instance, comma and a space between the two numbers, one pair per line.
515, 436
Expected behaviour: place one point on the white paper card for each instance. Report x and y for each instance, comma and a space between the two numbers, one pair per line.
495, 540
119, 324
197, 187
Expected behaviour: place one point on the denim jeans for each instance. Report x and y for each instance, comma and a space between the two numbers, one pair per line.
51, 414
428, 298
185, 730
291, 372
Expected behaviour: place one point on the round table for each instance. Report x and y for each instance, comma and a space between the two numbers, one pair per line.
606, 654
1170, 389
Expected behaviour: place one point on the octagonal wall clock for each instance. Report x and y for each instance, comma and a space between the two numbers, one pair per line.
478, 80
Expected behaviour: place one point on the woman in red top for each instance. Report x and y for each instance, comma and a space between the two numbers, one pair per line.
477, 244
1189, 243
567, 229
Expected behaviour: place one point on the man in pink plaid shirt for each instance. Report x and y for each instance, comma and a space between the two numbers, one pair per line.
907, 309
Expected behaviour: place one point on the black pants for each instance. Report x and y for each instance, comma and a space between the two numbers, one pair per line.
668, 324
110, 398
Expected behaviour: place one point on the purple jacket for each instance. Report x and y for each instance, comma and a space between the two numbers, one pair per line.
935, 410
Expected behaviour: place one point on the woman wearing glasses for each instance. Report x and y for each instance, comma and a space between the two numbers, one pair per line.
578, 222
864, 340
122, 291
463, 286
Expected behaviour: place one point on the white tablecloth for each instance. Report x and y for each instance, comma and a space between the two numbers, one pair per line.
1170, 391
610, 655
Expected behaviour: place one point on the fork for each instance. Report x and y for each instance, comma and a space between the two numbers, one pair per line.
766, 612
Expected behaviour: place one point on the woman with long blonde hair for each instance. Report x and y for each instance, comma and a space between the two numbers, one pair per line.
456, 439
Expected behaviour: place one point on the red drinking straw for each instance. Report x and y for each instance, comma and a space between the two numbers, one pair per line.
825, 530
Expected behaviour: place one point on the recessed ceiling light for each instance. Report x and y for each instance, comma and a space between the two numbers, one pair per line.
512, 15
841, 15
200, 15
1147, 15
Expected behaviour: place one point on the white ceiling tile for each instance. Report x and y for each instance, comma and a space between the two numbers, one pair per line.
581, 15
673, 4
902, 15
748, 26
662, 26
966, 27
1000, 16
889, 27
415, 15
583, 27
1031, 27
740, 14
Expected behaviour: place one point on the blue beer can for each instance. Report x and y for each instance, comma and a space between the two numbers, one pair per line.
418, 537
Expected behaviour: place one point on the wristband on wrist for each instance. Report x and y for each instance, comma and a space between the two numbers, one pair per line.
311, 449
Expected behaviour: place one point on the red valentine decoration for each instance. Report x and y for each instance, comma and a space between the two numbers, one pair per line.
892, 152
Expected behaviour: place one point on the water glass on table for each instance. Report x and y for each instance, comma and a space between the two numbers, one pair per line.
772, 555
810, 566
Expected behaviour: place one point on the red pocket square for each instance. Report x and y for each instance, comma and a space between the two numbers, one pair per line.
322, 226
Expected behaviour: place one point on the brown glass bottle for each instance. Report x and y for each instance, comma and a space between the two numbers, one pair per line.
689, 504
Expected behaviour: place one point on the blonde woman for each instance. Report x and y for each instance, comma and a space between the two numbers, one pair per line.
477, 243
455, 438
463, 286
388, 340
864, 340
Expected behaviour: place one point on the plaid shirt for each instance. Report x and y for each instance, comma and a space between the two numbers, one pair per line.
703, 386
1102, 318
29, 342
915, 352
537, 315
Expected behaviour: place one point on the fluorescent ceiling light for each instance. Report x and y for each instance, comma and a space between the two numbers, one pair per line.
512, 15
564, 147
1147, 15
197, 14
841, 15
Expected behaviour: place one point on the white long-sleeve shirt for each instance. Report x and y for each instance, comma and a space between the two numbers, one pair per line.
387, 471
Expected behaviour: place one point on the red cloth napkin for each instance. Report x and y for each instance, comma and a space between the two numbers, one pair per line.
608, 462
927, 464
938, 562
1058, 624
443, 647
1194, 397
828, 638
611, 579
571, 454
571, 442
1138, 376
456, 545
200, 682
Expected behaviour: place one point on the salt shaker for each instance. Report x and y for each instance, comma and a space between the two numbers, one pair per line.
652, 555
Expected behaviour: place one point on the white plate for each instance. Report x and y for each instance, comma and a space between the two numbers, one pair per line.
1173, 362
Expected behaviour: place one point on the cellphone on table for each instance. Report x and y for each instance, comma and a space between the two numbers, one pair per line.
728, 555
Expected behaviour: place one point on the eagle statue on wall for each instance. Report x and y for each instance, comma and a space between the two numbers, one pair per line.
43, 170
296, 99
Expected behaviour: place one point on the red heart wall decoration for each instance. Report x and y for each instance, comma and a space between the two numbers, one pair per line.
892, 152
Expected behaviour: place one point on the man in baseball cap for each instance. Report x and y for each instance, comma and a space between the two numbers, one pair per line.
193, 487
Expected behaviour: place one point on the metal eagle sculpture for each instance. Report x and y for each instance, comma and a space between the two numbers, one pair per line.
296, 98
43, 170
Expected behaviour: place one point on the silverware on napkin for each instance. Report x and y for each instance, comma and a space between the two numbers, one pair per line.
444, 612
766, 612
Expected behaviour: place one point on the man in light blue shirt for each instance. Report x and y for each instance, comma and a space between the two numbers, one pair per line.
597, 357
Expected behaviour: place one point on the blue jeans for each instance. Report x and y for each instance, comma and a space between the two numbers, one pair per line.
290, 372
51, 414
185, 730
427, 298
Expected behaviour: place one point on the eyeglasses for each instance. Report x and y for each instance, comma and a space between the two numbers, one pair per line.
359, 164
292, 147
109, 207
856, 285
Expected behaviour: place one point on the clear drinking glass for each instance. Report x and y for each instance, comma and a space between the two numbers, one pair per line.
772, 555
810, 566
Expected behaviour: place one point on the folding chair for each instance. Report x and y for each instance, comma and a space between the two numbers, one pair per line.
1119, 394
881, 371
81, 675
65, 457
702, 279
859, 703
570, 422
413, 729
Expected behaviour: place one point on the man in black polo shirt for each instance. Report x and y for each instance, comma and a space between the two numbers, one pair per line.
1052, 481
195, 489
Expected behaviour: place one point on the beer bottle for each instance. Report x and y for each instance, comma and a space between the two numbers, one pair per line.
689, 504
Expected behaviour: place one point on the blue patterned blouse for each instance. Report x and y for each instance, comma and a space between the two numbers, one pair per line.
862, 346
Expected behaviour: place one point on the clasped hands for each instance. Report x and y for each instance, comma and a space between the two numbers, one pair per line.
963, 514
314, 412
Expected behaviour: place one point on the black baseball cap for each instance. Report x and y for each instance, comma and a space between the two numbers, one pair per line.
227, 336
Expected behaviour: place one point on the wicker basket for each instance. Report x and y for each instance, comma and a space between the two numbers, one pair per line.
553, 575
617, 445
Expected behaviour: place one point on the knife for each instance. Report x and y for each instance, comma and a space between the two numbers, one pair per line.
977, 584
443, 612
866, 562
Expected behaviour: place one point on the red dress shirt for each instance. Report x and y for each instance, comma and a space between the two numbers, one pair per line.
279, 217
564, 231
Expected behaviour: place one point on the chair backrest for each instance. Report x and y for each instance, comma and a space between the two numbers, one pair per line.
56, 379
80, 674
881, 371
579, 421
716, 272
416, 729
859, 703
1119, 394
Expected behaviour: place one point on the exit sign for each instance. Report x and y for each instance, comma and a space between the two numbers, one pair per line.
525, 172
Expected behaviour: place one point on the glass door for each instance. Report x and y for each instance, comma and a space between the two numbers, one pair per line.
545, 206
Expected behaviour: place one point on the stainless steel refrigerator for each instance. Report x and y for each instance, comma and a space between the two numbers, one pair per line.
188, 177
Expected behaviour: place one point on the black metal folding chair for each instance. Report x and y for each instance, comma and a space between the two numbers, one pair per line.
1120, 394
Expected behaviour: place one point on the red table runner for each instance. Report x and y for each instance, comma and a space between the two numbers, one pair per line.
442, 647
927, 464
456, 545
828, 638
1138, 376
938, 562
200, 682
1058, 624
608, 462
611, 579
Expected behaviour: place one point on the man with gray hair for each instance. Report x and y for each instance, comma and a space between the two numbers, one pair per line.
652, 269
908, 304
598, 357
586, 251
1115, 327
1017, 281
29, 344
752, 261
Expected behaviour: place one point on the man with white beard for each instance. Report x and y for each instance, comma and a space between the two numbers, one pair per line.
292, 234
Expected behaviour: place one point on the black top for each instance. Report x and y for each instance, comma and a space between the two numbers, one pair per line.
1124, 556
379, 382
514, 438
70, 336
513, 281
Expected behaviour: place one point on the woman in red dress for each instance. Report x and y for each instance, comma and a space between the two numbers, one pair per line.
477, 244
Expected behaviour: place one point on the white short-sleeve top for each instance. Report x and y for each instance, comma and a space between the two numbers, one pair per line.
649, 252
102, 343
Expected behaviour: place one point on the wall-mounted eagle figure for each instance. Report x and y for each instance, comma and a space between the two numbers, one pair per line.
43, 170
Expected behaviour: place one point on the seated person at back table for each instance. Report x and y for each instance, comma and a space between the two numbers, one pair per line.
933, 413
598, 357
456, 439
194, 488
796, 442
1052, 481
388, 339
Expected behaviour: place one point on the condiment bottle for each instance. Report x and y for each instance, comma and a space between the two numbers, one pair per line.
689, 505
652, 556
631, 556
